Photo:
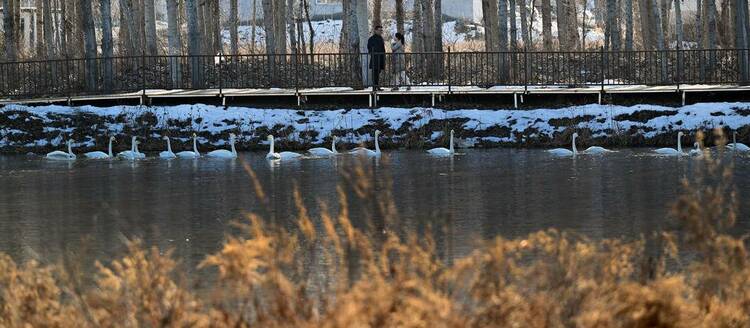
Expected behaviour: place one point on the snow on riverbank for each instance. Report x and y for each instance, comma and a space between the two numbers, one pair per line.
24, 128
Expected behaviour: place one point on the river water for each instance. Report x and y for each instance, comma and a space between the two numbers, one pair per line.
87, 208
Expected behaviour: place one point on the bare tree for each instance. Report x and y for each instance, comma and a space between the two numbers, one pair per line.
523, 12
9, 28
253, 27
612, 27
377, 9
400, 16
350, 40
279, 19
269, 28
149, 22
291, 26
547, 24
306, 8
233, 22
710, 29
566, 25
105, 8
175, 42
40, 51
503, 24
665, 7
194, 43
742, 37
49, 28
89, 37
128, 30
679, 36
513, 25
629, 25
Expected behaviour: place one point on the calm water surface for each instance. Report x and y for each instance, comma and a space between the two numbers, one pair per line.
87, 207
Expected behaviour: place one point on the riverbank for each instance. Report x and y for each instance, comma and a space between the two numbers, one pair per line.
25, 129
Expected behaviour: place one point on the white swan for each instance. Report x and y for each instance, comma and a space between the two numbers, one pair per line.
566, 152
191, 154
223, 153
286, 155
442, 151
133, 153
167, 154
737, 146
61, 155
101, 155
672, 151
325, 152
367, 152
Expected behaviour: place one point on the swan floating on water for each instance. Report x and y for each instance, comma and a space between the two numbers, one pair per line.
737, 146
325, 152
286, 155
562, 152
191, 154
223, 153
442, 151
133, 153
61, 155
672, 151
367, 152
101, 155
167, 154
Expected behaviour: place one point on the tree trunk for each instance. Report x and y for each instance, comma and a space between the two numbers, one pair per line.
253, 27
699, 23
233, 22
417, 28
612, 28
629, 25
310, 27
513, 25
524, 23
194, 43
678, 23
584, 26
377, 8
350, 41
428, 41
128, 31
742, 38
726, 28
268, 26
400, 17
566, 25
89, 37
710, 27
547, 24
105, 9
150, 27
439, 25
175, 42
49, 28
40, 51
665, 7
503, 24
291, 26
656, 22
490, 18
279, 19
647, 37
9, 28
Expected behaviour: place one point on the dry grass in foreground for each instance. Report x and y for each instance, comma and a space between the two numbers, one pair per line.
328, 273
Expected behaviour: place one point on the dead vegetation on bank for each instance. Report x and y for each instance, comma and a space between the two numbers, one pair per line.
328, 273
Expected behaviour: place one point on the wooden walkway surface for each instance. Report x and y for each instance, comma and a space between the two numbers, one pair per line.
436, 93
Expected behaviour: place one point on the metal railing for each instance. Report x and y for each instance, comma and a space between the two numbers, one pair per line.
98, 76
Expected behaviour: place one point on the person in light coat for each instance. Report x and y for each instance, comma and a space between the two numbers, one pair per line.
399, 62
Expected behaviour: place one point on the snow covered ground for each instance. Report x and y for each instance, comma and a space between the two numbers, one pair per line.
24, 128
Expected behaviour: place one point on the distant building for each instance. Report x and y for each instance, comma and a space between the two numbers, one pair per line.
470, 10
27, 25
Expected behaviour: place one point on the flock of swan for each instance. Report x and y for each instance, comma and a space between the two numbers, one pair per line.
696, 151
135, 154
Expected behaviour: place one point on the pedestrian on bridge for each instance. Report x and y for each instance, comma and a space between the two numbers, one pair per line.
399, 62
376, 49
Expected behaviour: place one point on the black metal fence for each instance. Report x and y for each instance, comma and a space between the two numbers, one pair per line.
80, 77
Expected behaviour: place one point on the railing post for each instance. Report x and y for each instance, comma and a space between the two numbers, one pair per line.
450, 89
525, 69
143, 75
678, 72
219, 75
602, 68
295, 54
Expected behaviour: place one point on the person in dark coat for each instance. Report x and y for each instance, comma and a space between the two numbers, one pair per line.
376, 49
